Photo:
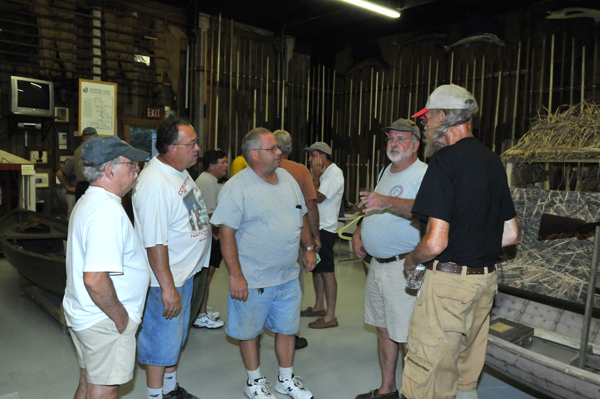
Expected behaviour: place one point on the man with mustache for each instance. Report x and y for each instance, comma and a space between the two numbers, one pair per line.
172, 221
262, 221
388, 303
467, 216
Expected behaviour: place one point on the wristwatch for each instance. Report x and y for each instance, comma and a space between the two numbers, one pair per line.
313, 248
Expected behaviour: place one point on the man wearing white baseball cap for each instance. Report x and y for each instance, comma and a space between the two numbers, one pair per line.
467, 216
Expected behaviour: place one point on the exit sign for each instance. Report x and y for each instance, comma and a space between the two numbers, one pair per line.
153, 113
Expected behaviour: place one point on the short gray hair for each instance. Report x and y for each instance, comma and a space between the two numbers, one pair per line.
284, 141
94, 173
456, 117
252, 141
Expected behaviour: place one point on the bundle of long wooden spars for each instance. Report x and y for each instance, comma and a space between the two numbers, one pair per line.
570, 134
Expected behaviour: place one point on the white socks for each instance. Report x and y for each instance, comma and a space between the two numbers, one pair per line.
169, 382
285, 373
254, 375
155, 393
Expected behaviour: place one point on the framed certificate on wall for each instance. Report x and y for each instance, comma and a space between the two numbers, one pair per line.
98, 106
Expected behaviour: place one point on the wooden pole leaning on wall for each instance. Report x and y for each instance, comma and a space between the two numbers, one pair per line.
497, 110
376, 93
527, 67
595, 68
381, 104
212, 82
582, 76
371, 100
517, 77
541, 89
217, 87
323, 107
572, 84
551, 83
531, 89
360, 101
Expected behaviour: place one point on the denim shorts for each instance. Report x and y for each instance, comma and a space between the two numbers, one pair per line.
160, 340
277, 308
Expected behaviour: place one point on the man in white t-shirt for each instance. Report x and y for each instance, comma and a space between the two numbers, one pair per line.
171, 218
388, 233
107, 270
328, 180
214, 163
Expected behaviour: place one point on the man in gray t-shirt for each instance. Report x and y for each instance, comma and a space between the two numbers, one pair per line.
261, 216
388, 233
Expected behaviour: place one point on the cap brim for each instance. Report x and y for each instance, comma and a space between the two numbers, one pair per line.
420, 113
136, 155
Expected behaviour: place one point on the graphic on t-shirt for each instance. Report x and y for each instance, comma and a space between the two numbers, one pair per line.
194, 203
396, 191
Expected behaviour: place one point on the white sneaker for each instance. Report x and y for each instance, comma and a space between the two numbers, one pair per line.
204, 320
260, 389
212, 314
294, 388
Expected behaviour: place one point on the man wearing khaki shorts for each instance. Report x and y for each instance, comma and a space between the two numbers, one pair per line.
107, 270
467, 215
388, 233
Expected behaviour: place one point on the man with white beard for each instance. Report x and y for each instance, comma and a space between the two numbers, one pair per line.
467, 215
388, 233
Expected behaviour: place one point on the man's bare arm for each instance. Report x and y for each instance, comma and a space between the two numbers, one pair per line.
357, 244
308, 257
158, 257
102, 291
313, 221
510, 236
371, 201
237, 282
63, 180
433, 243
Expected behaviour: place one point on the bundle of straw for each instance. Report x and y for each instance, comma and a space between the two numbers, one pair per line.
571, 133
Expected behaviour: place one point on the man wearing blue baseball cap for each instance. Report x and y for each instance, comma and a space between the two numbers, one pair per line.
107, 270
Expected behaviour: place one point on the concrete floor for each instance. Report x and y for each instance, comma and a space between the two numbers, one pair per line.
37, 359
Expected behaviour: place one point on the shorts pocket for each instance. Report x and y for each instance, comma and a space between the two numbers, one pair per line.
454, 303
422, 357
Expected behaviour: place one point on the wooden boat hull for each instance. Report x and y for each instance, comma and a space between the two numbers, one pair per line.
39, 257
546, 364
553, 378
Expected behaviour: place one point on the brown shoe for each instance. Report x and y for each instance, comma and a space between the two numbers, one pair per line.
374, 394
310, 312
321, 323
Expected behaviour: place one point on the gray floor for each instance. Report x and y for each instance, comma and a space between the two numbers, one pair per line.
38, 361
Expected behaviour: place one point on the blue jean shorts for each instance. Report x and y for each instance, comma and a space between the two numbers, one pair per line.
277, 308
160, 340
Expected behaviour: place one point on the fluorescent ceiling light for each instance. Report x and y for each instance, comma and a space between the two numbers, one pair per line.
374, 7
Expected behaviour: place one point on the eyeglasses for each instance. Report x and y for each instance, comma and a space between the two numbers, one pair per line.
424, 121
272, 149
133, 164
398, 139
130, 163
191, 144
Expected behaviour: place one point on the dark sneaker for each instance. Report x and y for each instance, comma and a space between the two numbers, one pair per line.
301, 342
374, 394
179, 393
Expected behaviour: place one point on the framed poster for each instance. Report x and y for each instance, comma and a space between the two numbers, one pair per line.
62, 157
61, 114
98, 106
42, 180
40, 156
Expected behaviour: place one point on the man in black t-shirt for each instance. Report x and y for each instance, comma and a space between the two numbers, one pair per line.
467, 216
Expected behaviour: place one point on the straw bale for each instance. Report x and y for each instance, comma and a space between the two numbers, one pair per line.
570, 133
557, 267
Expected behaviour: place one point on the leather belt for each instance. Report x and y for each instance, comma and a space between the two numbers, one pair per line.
393, 258
449, 267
